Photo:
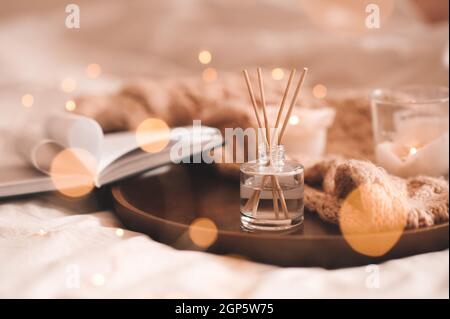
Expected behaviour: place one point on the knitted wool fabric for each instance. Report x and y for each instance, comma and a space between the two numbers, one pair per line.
384, 202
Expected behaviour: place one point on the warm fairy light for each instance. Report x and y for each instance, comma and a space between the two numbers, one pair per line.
93, 70
72, 172
153, 135
412, 151
71, 105
294, 120
27, 100
68, 85
98, 280
42, 232
203, 232
320, 91
372, 219
277, 74
209, 75
119, 232
205, 57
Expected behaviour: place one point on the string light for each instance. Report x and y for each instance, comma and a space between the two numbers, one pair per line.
27, 100
320, 91
68, 85
294, 120
71, 105
42, 232
204, 57
93, 70
119, 232
412, 151
98, 280
209, 75
277, 74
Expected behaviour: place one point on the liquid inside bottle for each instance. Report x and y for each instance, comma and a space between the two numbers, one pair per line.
272, 193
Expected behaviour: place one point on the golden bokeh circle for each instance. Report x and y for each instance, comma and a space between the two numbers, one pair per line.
203, 232
93, 70
204, 57
68, 85
320, 91
71, 105
153, 135
372, 219
72, 172
277, 74
27, 100
209, 75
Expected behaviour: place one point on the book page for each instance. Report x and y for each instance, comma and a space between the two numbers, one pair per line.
75, 131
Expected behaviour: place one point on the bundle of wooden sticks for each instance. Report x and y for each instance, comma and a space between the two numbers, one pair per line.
277, 192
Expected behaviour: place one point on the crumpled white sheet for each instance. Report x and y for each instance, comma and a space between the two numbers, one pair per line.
49, 249
49, 252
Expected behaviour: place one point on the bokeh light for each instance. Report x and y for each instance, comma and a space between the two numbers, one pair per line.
93, 70
119, 232
72, 172
277, 74
372, 219
153, 135
412, 151
98, 280
68, 85
71, 105
27, 100
209, 75
320, 91
294, 120
203, 232
204, 57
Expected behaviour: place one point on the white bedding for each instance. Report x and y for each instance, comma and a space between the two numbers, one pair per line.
50, 248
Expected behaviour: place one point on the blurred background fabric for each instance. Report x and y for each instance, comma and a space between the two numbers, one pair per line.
139, 38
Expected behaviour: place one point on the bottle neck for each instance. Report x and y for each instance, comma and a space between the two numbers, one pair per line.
275, 156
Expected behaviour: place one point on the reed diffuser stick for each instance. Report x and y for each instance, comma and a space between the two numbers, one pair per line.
256, 195
280, 112
263, 104
269, 146
283, 100
252, 97
267, 127
293, 102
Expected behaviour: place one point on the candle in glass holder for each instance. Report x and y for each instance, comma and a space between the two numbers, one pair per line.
307, 133
411, 131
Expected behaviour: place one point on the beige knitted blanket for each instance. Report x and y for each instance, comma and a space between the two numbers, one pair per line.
384, 200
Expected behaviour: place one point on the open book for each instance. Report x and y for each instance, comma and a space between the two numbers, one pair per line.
116, 155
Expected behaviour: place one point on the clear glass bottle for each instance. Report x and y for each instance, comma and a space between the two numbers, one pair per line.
271, 191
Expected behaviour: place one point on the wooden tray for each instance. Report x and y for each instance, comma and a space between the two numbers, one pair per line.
164, 205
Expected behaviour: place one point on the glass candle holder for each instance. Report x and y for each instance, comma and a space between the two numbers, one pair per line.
271, 190
411, 128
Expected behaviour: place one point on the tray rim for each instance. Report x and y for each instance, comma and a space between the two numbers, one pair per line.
119, 197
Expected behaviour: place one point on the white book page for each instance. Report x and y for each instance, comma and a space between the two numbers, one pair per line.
75, 131
114, 146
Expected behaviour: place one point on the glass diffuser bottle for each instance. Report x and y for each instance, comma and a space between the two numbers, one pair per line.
271, 192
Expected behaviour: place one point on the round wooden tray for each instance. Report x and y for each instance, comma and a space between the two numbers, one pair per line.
164, 203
